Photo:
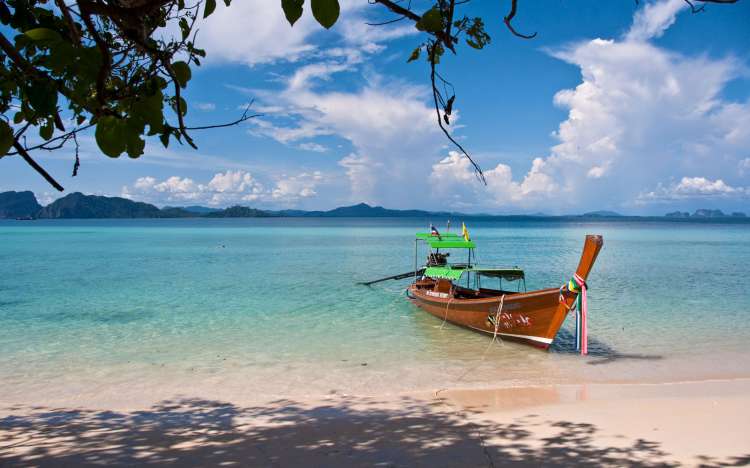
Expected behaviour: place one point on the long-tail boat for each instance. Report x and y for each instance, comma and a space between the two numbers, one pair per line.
461, 293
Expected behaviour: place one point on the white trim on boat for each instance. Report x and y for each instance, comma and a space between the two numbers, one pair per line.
528, 337
437, 294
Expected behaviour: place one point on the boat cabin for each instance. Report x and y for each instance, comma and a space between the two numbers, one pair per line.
462, 280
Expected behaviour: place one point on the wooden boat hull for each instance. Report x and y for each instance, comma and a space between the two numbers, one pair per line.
533, 317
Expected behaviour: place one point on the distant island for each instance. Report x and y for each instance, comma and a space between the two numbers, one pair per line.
703, 213
24, 206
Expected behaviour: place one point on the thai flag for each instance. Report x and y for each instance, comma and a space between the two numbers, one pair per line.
434, 231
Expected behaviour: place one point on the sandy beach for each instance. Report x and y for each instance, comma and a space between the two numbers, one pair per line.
679, 424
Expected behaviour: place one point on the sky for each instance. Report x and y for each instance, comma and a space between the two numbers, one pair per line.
637, 108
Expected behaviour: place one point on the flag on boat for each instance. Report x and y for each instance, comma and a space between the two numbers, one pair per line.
434, 231
465, 232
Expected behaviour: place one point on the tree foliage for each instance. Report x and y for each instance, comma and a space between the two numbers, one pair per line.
67, 66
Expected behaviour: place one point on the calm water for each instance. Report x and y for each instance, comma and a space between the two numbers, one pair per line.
265, 308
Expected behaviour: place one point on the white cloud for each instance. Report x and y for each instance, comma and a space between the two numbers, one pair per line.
292, 188
224, 188
253, 33
454, 180
703, 186
257, 32
744, 166
392, 129
653, 19
315, 147
205, 106
640, 117
233, 182
694, 188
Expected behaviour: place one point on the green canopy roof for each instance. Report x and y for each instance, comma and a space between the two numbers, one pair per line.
444, 272
428, 235
449, 240
451, 273
456, 243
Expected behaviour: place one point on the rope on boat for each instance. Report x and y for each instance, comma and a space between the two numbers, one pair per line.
497, 319
578, 286
445, 318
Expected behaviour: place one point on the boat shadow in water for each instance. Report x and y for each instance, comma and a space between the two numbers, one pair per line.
565, 343
338, 432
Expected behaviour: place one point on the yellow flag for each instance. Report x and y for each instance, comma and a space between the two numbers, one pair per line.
465, 232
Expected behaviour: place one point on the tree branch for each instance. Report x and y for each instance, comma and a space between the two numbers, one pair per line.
446, 39
25, 155
74, 33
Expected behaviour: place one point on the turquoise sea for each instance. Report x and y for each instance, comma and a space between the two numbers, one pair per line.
264, 308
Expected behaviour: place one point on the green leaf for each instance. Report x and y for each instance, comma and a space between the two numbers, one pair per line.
326, 12
135, 145
476, 36
185, 28
19, 117
5, 16
210, 7
111, 136
182, 73
6, 137
46, 130
415, 54
43, 34
182, 107
42, 97
431, 21
164, 137
292, 10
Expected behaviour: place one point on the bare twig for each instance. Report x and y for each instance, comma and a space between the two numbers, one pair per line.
509, 18
65, 137
77, 164
243, 118
436, 96
386, 22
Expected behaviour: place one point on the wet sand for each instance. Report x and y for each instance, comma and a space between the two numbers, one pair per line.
689, 424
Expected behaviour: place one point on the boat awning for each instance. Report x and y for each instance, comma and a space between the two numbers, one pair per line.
450, 243
448, 240
447, 272
444, 272
447, 235
508, 274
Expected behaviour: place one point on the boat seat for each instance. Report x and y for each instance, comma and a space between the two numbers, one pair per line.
443, 286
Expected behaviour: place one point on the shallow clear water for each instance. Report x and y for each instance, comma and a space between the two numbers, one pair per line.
263, 308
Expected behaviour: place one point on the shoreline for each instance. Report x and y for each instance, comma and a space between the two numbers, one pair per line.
641, 424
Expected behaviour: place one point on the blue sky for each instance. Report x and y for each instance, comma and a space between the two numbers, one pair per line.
639, 109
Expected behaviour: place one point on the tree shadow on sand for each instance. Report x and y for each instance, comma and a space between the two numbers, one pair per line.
342, 432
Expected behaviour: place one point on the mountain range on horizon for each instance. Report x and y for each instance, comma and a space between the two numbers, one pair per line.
24, 206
